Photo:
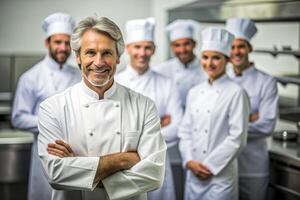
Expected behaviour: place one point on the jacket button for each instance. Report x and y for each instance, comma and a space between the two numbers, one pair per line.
118, 132
117, 105
194, 149
205, 130
204, 152
86, 105
91, 134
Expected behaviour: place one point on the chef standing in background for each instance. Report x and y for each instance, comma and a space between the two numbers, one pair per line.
139, 77
50, 76
214, 126
262, 91
184, 69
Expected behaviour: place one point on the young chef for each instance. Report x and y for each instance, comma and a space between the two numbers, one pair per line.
139, 77
262, 91
214, 126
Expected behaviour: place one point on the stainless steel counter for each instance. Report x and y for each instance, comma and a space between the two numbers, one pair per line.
288, 152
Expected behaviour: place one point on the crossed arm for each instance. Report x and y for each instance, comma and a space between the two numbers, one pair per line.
109, 164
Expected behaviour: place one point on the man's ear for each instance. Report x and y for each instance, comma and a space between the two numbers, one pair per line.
118, 60
154, 48
250, 47
127, 48
47, 42
78, 60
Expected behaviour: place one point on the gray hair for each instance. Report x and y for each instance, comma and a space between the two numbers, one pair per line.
101, 24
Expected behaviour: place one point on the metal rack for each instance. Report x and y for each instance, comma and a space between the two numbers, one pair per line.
292, 113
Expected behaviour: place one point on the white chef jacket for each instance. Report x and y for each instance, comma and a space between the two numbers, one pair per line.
185, 77
35, 85
166, 98
213, 131
162, 91
122, 121
38, 83
262, 91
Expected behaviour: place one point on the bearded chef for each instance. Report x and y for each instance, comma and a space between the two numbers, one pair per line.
51, 75
184, 69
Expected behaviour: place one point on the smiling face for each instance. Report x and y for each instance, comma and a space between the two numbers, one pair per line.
140, 54
239, 53
59, 47
98, 58
214, 64
183, 49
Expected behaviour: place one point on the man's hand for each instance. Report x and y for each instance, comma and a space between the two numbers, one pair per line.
112, 163
165, 120
60, 149
201, 171
253, 117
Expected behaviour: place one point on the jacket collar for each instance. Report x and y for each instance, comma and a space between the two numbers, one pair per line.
133, 75
92, 95
218, 82
53, 65
193, 64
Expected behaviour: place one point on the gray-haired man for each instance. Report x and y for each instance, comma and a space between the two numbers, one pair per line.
99, 139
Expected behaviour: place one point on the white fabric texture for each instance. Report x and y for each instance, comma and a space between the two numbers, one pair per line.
181, 28
122, 121
138, 30
241, 28
216, 39
213, 131
263, 94
34, 86
58, 23
184, 77
166, 98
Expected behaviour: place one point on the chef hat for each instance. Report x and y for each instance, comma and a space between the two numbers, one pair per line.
58, 23
241, 28
180, 28
140, 30
217, 39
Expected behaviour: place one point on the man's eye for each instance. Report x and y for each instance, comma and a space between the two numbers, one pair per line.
90, 53
106, 53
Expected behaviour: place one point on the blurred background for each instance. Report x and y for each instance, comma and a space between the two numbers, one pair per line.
276, 51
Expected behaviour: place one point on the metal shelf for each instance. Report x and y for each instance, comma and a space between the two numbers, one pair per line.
291, 79
276, 52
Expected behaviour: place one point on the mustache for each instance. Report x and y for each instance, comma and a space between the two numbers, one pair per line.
102, 67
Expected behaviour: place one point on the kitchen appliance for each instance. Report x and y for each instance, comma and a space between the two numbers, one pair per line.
285, 135
15, 154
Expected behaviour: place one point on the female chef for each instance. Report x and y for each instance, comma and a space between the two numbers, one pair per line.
214, 127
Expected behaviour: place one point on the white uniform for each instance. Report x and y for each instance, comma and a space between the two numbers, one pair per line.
262, 91
213, 131
41, 81
166, 98
185, 77
122, 121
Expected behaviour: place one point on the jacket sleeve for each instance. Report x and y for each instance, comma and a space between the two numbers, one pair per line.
268, 111
148, 174
185, 133
238, 117
174, 109
23, 116
69, 173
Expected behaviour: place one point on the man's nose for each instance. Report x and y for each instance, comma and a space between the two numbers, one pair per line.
64, 46
142, 52
99, 60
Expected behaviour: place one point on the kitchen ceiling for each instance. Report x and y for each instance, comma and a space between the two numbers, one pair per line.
220, 10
